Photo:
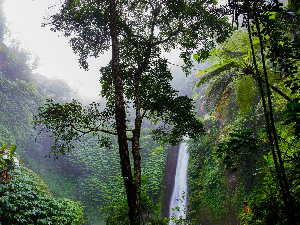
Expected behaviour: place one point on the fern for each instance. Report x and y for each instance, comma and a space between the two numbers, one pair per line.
223, 105
216, 70
238, 42
245, 94
216, 89
232, 59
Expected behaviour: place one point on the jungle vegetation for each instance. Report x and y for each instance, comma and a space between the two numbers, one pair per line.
110, 156
255, 72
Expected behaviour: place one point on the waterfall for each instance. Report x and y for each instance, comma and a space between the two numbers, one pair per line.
180, 185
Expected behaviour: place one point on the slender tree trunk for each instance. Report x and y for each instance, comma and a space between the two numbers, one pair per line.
120, 115
136, 142
268, 126
137, 130
272, 122
271, 130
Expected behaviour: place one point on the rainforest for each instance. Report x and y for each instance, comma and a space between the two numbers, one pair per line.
197, 120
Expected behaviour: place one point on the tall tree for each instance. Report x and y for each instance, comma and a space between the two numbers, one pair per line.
138, 31
133, 189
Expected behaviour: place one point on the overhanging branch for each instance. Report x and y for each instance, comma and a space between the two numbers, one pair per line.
282, 94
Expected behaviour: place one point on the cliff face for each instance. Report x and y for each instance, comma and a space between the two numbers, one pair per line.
169, 177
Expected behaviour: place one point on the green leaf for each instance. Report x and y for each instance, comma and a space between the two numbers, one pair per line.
12, 150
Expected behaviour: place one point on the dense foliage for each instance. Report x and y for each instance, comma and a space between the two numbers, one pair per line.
255, 152
249, 156
27, 200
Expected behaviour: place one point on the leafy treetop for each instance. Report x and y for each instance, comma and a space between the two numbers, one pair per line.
144, 28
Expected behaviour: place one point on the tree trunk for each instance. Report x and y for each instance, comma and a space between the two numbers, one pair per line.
120, 115
136, 142
137, 160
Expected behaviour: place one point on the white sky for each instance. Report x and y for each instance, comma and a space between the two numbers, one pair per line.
57, 60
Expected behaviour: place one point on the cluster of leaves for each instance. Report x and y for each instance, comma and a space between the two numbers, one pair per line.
241, 148
26, 199
71, 121
292, 114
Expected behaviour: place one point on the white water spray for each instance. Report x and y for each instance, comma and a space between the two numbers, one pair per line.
180, 186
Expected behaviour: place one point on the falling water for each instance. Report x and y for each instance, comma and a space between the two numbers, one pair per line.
180, 186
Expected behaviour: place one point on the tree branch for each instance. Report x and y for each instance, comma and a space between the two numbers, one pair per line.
282, 94
175, 33
91, 130
144, 113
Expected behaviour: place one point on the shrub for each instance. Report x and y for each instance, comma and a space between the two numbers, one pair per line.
25, 199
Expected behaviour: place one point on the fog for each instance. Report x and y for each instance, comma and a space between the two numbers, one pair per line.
56, 58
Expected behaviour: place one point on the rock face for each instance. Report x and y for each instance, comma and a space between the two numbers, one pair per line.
169, 178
